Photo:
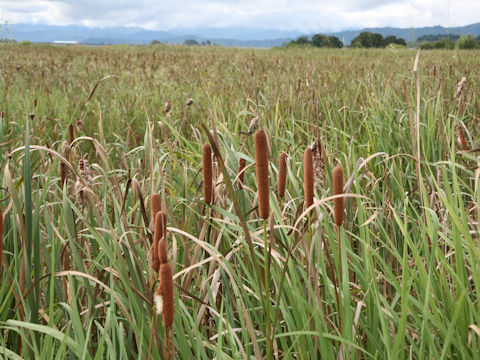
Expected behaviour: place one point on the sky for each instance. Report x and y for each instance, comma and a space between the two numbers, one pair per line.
301, 15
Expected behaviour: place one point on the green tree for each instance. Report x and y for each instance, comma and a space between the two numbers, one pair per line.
426, 45
303, 40
444, 44
467, 42
334, 42
190, 42
394, 40
320, 40
368, 39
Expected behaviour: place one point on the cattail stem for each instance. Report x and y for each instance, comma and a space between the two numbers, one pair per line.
261, 159
207, 173
282, 174
267, 254
338, 214
1, 240
308, 177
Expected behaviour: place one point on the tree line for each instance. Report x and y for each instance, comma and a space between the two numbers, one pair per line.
365, 39
449, 42
368, 39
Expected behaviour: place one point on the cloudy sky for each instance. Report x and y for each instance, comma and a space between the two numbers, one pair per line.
302, 15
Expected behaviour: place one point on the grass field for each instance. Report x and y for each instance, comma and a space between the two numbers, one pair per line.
398, 279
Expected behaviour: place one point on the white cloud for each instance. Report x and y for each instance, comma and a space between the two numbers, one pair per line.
303, 15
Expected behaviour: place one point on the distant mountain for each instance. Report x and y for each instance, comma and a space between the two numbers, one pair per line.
243, 37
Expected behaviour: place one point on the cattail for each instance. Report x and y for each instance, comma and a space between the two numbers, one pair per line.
318, 162
1, 239
241, 172
160, 224
461, 138
63, 167
261, 159
71, 135
63, 173
308, 177
337, 190
282, 174
155, 206
162, 251
207, 173
164, 296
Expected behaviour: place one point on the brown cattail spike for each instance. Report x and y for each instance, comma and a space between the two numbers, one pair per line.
308, 177
65, 152
155, 206
461, 138
261, 159
337, 190
160, 225
162, 251
159, 233
241, 172
282, 174
71, 135
207, 173
164, 297
1, 239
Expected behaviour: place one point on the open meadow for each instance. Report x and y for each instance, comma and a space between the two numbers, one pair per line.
371, 252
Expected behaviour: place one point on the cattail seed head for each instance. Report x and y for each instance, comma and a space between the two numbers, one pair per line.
164, 296
241, 172
282, 174
261, 159
461, 138
162, 251
71, 135
337, 190
153, 256
155, 206
308, 177
160, 225
207, 173
65, 151
159, 233
63, 174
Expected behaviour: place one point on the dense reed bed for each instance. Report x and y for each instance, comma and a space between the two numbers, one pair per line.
97, 143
